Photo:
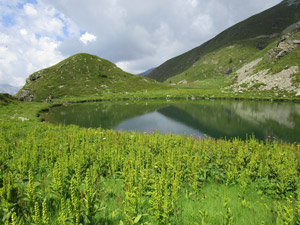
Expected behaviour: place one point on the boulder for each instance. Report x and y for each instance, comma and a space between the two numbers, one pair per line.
260, 45
229, 71
34, 77
283, 46
297, 42
25, 95
182, 82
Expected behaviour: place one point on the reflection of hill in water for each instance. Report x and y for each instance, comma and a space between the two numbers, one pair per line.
104, 114
232, 118
259, 112
214, 118
215, 122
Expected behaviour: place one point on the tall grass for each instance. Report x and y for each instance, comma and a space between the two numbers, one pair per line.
70, 175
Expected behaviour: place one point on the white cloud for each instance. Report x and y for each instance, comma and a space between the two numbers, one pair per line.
203, 23
193, 3
30, 43
124, 65
132, 31
23, 32
30, 10
138, 66
87, 37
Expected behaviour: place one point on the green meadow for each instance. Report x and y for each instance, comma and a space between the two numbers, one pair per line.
56, 174
69, 175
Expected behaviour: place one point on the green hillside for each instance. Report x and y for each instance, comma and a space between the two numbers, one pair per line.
260, 29
241, 68
82, 75
219, 63
6, 99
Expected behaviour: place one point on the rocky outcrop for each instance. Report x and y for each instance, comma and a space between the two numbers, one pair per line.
286, 44
249, 78
33, 77
182, 82
25, 95
283, 48
265, 81
247, 70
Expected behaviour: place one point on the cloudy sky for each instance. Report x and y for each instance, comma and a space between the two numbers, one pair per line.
134, 34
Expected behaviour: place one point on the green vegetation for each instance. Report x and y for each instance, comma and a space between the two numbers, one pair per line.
53, 174
288, 60
201, 91
269, 22
82, 75
5, 99
220, 63
221, 68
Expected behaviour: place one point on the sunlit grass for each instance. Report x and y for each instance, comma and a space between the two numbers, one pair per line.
142, 178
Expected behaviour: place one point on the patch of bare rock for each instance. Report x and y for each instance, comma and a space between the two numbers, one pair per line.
265, 81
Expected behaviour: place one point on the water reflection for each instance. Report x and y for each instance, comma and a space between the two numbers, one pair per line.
217, 119
157, 121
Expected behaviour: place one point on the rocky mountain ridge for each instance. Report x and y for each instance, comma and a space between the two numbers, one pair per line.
252, 77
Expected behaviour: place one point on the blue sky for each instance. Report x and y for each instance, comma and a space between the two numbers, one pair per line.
134, 34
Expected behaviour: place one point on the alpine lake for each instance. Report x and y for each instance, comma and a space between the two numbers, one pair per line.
224, 119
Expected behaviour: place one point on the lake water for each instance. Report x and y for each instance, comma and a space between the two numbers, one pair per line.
201, 118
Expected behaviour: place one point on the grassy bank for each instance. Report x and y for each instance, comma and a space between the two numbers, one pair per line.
70, 175
208, 89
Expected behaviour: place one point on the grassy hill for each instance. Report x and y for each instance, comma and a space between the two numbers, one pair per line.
5, 99
218, 63
82, 75
254, 33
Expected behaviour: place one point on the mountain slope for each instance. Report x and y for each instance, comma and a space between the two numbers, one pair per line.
218, 63
244, 68
276, 68
81, 75
269, 23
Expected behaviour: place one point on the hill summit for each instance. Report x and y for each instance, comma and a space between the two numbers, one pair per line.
81, 75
